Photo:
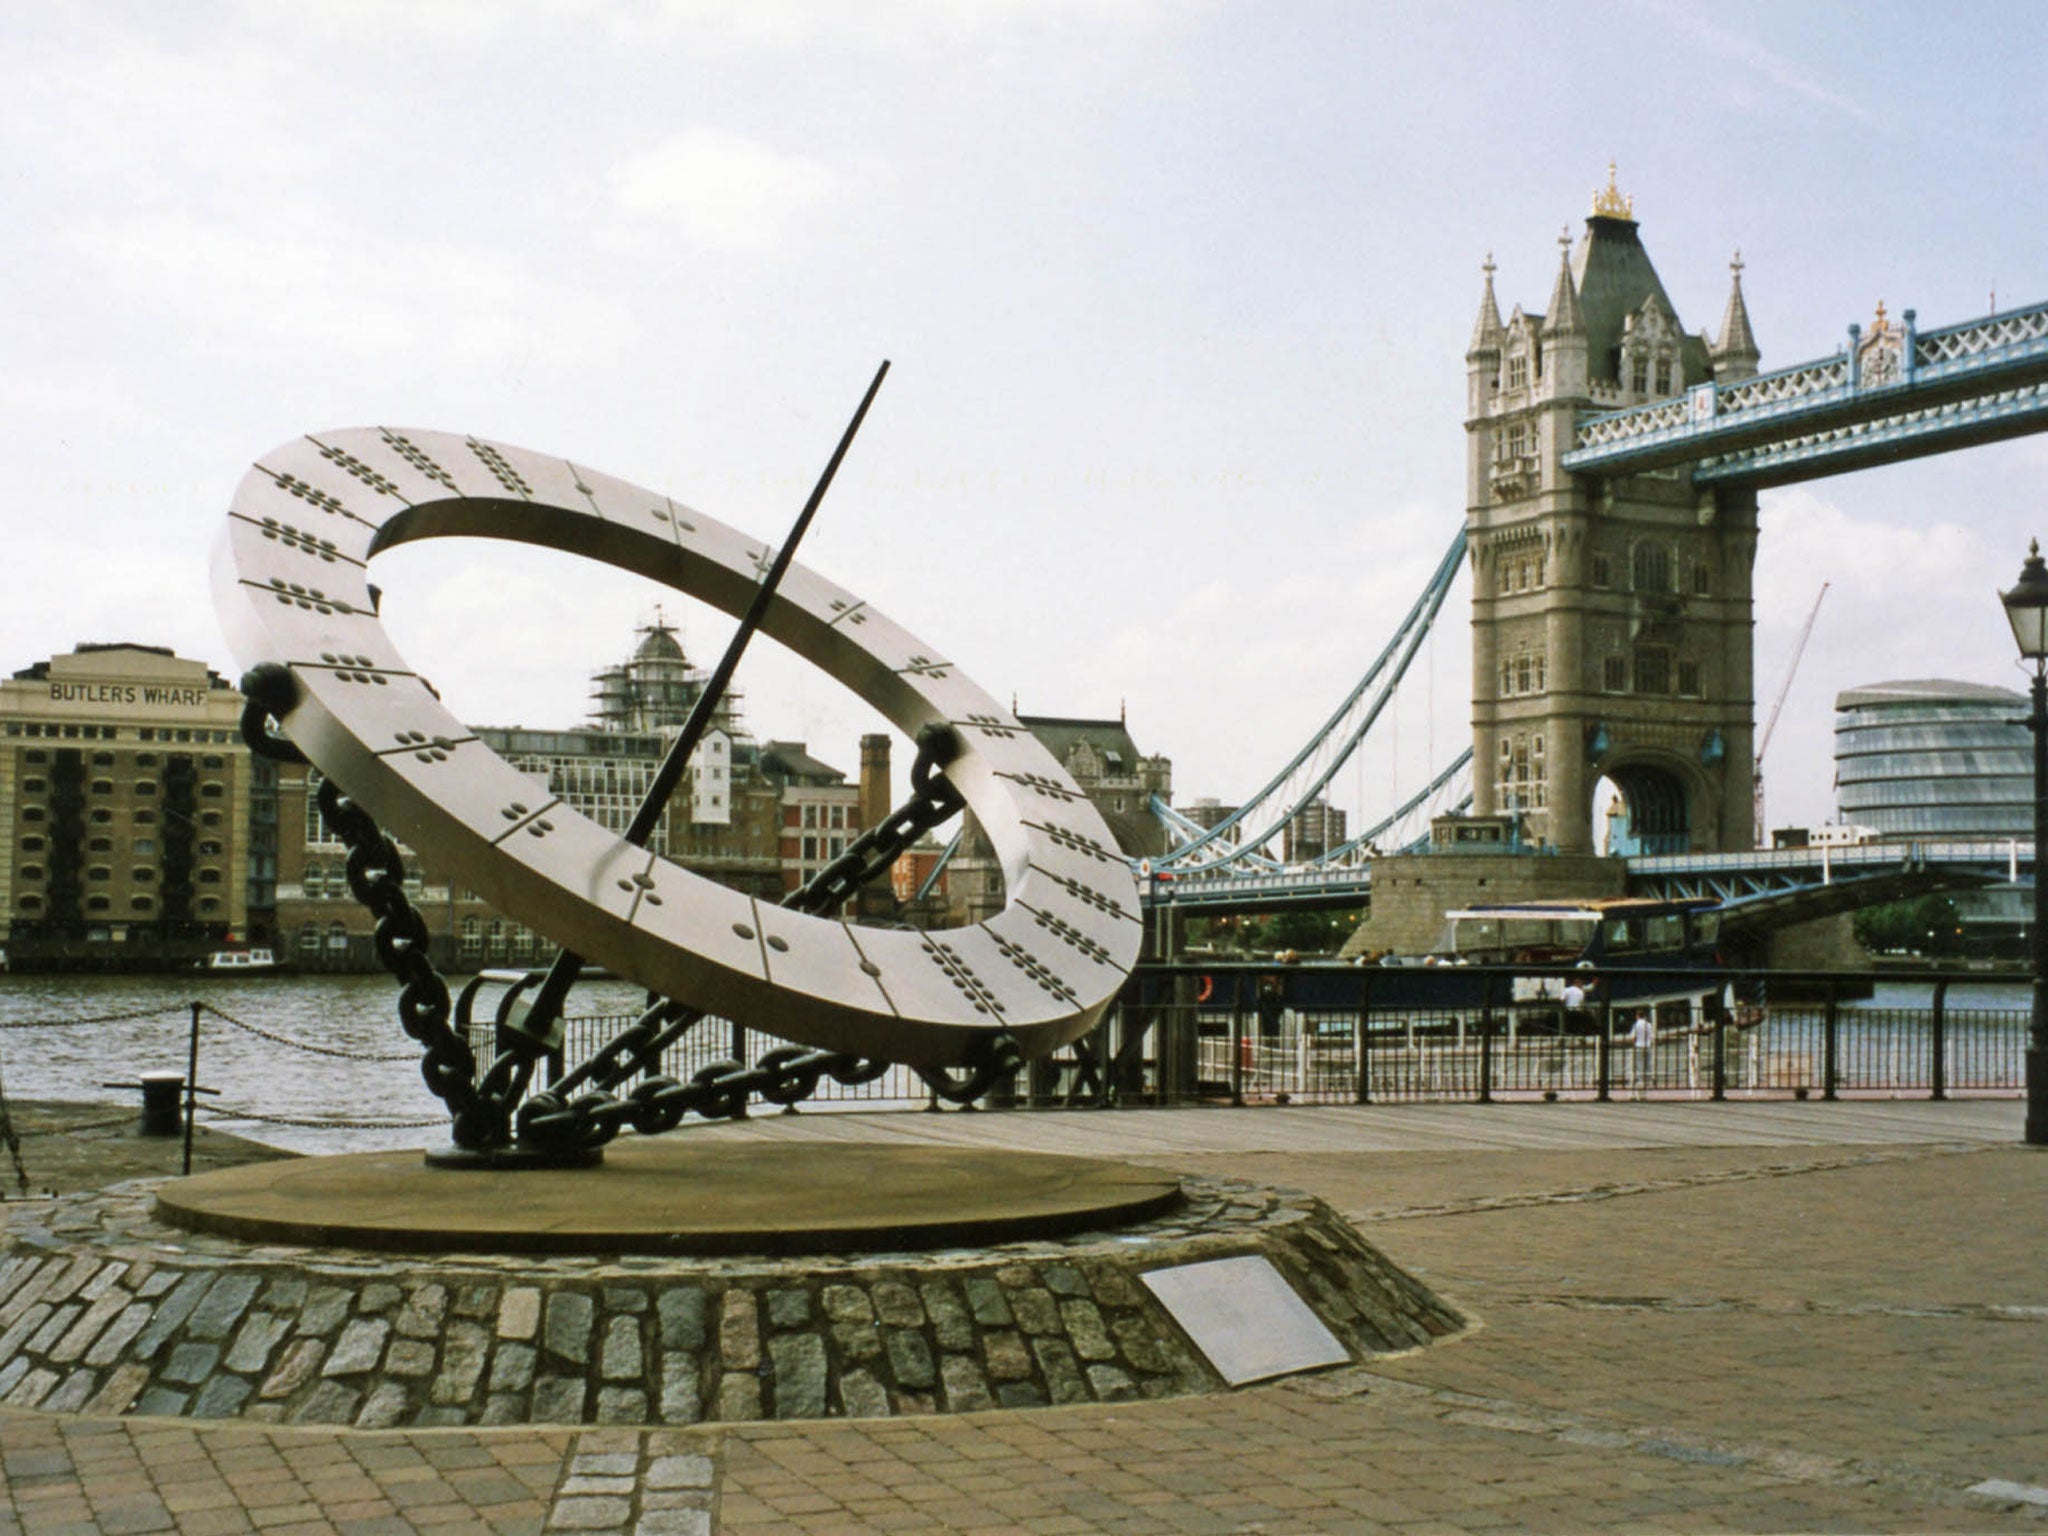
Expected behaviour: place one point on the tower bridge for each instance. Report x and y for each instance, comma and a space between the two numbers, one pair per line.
1613, 464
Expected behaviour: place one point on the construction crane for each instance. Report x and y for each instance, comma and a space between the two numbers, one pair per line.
1763, 742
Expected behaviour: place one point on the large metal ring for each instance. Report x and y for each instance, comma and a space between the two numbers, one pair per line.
291, 586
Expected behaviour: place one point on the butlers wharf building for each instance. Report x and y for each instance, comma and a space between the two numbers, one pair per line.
141, 833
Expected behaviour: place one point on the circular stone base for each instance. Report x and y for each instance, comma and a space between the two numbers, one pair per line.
667, 1196
105, 1310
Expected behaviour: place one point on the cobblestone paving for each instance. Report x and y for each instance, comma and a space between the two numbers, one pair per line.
104, 1310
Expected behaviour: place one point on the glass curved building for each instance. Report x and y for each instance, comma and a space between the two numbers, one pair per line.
1934, 759
1941, 759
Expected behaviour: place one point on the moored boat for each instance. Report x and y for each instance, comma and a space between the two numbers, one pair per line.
239, 962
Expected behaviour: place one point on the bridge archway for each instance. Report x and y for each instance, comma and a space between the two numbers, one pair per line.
1645, 806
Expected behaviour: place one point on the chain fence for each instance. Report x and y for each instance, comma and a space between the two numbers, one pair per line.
337, 1052
131, 1016
189, 1018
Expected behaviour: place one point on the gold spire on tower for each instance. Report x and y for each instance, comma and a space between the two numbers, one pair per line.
1609, 203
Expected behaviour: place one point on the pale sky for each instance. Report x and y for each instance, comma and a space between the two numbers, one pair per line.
1176, 294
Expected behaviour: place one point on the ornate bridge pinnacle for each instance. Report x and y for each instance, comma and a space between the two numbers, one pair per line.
1609, 203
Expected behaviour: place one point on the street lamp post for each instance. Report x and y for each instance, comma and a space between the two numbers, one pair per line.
2026, 606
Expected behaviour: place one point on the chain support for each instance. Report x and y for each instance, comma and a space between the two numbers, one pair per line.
551, 1126
787, 1074
376, 878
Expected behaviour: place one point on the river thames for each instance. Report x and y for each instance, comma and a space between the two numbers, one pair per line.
329, 1048
261, 1044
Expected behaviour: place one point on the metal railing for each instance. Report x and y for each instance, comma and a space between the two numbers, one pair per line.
1316, 1036
1239, 1034
1797, 1052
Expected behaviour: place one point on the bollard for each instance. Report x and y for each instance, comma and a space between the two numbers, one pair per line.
1238, 1044
163, 1103
1938, 1042
1365, 1041
1486, 1039
1830, 1041
192, 1080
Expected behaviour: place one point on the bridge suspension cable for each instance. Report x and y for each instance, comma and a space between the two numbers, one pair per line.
1242, 838
1367, 842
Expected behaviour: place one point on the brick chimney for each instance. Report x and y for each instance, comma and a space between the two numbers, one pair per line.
875, 801
877, 899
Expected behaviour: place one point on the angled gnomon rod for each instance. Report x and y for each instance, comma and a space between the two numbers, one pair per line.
542, 1020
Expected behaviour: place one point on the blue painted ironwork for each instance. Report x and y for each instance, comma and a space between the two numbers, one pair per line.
1187, 831
1816, 880
931, 881
1342, 877
1242, 838
1366, 844
1257, 890
1977, 381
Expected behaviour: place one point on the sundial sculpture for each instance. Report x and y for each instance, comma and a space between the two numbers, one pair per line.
292, 586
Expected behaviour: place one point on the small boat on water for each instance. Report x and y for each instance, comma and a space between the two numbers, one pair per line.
239, 962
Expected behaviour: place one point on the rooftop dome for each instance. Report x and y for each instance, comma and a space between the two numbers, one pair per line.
658, 643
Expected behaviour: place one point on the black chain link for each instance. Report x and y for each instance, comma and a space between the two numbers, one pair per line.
224, 1112
550, 1120
103, 1018
268, 691
304, 1045
787, 1074
933, 801
376, 878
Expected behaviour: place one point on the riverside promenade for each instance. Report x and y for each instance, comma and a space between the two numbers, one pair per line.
1688, 1317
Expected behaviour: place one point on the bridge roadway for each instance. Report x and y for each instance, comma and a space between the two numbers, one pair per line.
1895, 394
1779, 884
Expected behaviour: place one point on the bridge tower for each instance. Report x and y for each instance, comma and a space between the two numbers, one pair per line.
1610, 616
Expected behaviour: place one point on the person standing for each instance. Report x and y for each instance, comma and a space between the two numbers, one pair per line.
1576, 1020
1642, 1039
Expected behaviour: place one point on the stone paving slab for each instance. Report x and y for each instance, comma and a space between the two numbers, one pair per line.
1810, 1334
69, 1146
1882, 1311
